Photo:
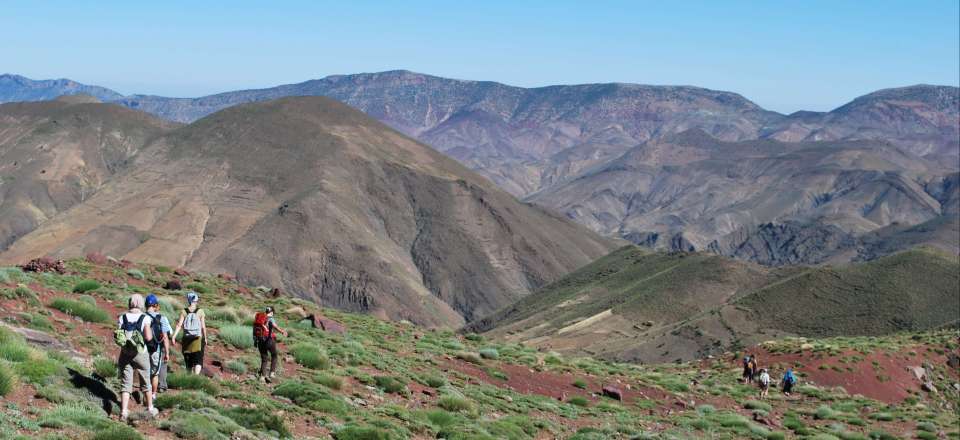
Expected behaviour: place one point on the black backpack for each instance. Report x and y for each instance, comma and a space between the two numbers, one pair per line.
157, 328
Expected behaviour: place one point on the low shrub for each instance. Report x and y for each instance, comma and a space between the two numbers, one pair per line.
8, 379
238, 336
39, 322
354, 432
81, 310
580, 383
236, 366
578, 401
489, 353
756, 404
455, 403
185, 400
74, 414
882, 416
187, 381
85, 286
257, 419
310, 396
116, 431
332, 382
390, 384
225, 315
433, 381
136, 274
38, 370
825, 413
105, 368
473, 358
15, 351
199, 288
310, 356
203, 423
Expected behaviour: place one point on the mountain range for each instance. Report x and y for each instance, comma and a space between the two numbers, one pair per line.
301, 193
671, 167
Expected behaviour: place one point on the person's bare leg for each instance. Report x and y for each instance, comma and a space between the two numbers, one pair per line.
124, 403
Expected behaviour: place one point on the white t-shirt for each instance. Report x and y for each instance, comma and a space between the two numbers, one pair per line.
764, 378
132, 316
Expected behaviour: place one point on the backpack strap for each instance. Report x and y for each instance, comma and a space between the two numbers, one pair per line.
140, 324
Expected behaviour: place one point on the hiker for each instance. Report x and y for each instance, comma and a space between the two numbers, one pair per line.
789, 380
194, 325
764, 382
747, 369
159, 347
265, 340
132, 335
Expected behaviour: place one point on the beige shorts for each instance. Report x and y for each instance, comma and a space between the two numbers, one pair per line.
131, 366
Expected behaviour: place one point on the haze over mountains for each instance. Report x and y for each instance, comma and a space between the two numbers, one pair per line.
667, 166
310, 195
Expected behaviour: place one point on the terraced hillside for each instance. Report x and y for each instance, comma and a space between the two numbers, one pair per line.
383, 380
636, 305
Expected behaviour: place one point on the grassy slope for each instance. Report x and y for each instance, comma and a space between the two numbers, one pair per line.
669, 306
391, 380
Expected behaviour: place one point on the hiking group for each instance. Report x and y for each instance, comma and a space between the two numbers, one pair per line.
145, 337
753, 373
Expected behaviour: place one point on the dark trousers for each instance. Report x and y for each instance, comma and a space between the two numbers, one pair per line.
268, 349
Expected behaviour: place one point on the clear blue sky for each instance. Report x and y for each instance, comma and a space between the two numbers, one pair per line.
784, 55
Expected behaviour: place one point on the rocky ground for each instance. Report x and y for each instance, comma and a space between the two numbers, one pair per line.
373, 379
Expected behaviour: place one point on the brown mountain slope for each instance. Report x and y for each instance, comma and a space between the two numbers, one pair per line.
56, 154
312, 195
767, 201
637, 305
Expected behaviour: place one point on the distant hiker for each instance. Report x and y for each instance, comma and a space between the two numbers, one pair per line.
193, 322
747, 369
265, 340
789, 380
132, 335
159, 347
764, 382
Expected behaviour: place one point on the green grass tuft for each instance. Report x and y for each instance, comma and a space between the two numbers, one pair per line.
310, 356
239, 336
81, 310
186, 381
85, 286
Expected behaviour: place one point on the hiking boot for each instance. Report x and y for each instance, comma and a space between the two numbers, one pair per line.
269, 380
273, 375
124, 415
263, 379
153, 412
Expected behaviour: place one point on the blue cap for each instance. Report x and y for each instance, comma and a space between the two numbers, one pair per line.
192, 297
152, 300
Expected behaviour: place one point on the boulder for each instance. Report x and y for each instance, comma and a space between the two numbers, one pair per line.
296, 312
326, 324
612, 392
181, 272
274, 293
173, 284
919, 372
44, 264
929, 387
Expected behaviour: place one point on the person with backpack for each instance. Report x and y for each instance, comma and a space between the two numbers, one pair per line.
265, 339
194, 325
747, 369
159, 347
789, 380
132, 335
764, 382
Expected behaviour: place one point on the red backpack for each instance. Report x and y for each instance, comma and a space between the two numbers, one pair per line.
260, 329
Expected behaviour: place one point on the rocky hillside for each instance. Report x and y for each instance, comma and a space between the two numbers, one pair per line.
370, 379
527, 140
16, 88
56, 154
319, 199
766, 201
635, 305
921, 119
